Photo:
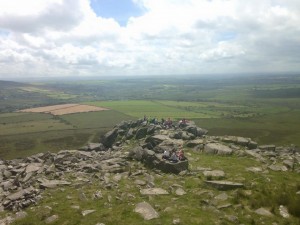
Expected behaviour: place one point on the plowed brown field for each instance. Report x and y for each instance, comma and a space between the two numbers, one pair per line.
64, 109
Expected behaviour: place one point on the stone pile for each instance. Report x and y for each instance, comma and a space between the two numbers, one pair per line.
22, 180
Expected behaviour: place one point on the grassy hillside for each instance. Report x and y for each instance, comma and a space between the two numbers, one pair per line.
23, 134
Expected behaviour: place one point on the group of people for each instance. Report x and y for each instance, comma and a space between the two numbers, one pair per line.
174, 156
166, 123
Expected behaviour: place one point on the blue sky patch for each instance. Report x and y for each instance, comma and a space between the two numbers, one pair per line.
4, 32
120, 10
225, 36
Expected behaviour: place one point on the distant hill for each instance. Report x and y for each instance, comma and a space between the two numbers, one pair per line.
16, 95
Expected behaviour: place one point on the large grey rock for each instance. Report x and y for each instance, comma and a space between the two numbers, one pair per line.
130, 133
157, 139
194, 143
170, 167
217, 148
192, 130
137, 153
201, 132
141, 132
110, 137
146, 211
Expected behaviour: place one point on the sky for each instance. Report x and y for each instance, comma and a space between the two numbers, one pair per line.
70, 38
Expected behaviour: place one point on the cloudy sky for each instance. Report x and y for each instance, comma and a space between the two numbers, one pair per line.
43, 38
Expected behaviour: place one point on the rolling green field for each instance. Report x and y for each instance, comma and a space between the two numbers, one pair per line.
264, 108
265, 123
24, 134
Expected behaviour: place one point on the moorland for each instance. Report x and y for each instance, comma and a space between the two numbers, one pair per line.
262, 107
36, 150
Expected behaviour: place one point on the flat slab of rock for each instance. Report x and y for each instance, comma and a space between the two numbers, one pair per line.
53, 183
217, 148
154, 191
224, 185
33, 167
277, 168
20, 194
146, 211
267, 147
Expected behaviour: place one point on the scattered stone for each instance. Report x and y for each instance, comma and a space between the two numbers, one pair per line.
180, 192
140, 182
87, 212
222, 197
288, 163
263, 212
146, 211
154, 191
224, 206
232, 218
20, 215
283, 211
176, 221
51, 219
254, 169
224, 185
277, 168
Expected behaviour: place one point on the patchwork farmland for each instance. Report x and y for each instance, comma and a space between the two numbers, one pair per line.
64, 109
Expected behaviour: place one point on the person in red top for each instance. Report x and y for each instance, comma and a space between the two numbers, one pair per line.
181, 155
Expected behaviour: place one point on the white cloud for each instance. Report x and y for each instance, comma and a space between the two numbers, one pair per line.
66, 37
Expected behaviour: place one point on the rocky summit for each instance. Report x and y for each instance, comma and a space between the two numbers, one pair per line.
131, 143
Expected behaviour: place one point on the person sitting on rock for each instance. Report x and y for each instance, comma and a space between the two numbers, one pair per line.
168, 123
183, 123
166, 155
180, 155
173, 157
